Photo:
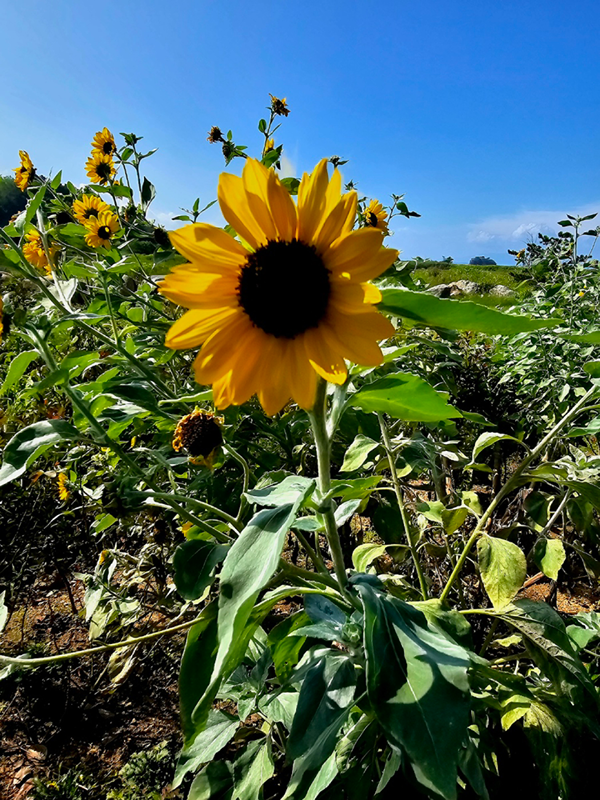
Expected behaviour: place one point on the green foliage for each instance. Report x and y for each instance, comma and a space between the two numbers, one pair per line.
12, 200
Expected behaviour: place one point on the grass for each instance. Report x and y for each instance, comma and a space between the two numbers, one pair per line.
511, 277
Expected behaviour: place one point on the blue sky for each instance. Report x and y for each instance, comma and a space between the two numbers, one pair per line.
484, 113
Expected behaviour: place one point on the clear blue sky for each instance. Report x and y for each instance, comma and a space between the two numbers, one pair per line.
484, 112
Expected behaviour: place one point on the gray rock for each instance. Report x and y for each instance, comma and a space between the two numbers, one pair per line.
467, 287
501, 291
441, 290
455, 289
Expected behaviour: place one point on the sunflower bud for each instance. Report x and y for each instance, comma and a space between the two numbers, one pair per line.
161, 237
278, 106
200, 434
228, 149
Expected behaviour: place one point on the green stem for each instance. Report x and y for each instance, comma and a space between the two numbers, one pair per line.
511, 484
199, 504
319, 428
398, 491
90, 651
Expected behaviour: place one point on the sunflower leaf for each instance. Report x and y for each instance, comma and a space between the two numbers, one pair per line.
404, 396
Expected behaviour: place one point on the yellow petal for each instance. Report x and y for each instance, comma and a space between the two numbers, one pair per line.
336, 223
353, 298
334, 191
328, 363
235, 209
195, 326
200, 290
283, 209
255, 177
311, 201
360, 255
215, 249
214, 360
355, 336
274, 389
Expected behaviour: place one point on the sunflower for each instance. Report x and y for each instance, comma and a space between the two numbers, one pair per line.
34, 252
376, 216
200, 434
100, 168
103, 143
24, 172
292, 303
101, 229
61, 483
89, 206
279, 106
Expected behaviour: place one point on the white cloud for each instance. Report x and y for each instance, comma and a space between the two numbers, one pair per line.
522, 226
288, 167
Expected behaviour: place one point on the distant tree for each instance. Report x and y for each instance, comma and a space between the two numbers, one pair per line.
447, 260
482, 261
12, 200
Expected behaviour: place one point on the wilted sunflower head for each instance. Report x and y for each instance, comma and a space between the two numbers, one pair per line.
290, 301
279, 106
89, 206
104, 143
100, 168
101, 229
34, 252
200, 434
215, 135
376, 216
25, 171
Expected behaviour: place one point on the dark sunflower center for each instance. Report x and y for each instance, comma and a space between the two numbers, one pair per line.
107, 148
284, 288
103, 170
90, 212
104, 232
372, 219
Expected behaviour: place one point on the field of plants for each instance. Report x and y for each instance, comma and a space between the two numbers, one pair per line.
278, 522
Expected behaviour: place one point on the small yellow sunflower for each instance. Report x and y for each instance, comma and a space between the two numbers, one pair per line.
270, 145
103, 143
100, 168
89, 206
25, 171
101, 229
376, 216
288, 305
34, 252
63, 492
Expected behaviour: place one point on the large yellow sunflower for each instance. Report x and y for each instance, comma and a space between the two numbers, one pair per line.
101, 229
376, 216
100, 168
104, 143
289, 304
34, 252
88, 206
25, 171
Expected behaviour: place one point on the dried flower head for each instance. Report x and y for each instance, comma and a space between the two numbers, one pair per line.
215, 135
279, 106
200, 434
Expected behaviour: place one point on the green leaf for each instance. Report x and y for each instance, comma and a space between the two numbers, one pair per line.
117, 189
251, 561
418, 687
291, 184
214, 782
426, 310
148, 193
364, 555
326, 699
592, 337
17, 369
35, 203
404, 396
71, 229
29, 443
354, 488
552, 649
193, 565
285, 649
279, 494
584, 630
358, 452
549, 555
220, 730
503, 568
196, 670
488, 439
252, 770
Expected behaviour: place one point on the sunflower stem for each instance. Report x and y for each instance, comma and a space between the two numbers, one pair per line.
318, 420
398, 491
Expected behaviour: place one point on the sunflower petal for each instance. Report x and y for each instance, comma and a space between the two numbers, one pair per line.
212, 246
283, 208
232, 196
353, 298
214, 360
200, 290
336, 223
360, 255
327, 363
355, 337
311, 201
255, 177
195, 326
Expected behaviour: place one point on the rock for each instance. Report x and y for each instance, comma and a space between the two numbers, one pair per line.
456, 289
501, 291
